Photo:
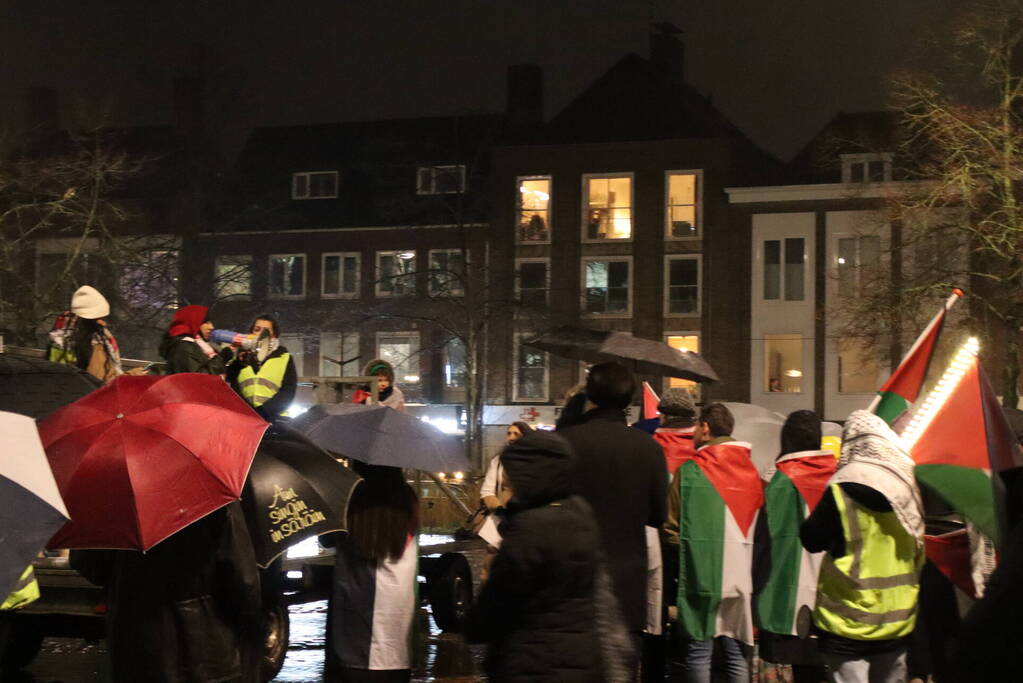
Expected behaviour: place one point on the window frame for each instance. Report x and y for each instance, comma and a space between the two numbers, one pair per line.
518, 278
782, 278
697, 206
269, 274
849, 160
411, 334
378, 280
666, 382
452, 292
308, 176
518, 207
216, 277
432, 190
324, 294
666, 303
765, 370
517, 338
341, 339
445, 362
584, 211
582, 286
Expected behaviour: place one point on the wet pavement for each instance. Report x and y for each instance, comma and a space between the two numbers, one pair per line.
440, 657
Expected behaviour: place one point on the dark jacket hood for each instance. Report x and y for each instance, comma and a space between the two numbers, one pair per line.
540, 466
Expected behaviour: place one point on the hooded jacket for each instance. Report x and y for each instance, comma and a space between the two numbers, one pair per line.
180, 349
537, 609
392, 396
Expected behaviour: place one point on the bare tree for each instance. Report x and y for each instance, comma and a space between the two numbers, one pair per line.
957, 221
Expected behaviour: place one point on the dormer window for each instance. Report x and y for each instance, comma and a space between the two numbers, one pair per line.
866, 168
314, 185
440, 180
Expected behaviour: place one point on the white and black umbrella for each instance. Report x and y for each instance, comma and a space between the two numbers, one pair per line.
642, 356
378, 435
32, 509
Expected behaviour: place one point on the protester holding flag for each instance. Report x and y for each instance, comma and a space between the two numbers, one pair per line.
713, 505
785, 575
870, 522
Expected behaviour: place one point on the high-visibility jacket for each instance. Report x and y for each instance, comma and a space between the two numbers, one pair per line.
870, 593
25, 591
259, 387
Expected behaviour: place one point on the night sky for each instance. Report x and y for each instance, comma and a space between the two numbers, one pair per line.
778, 69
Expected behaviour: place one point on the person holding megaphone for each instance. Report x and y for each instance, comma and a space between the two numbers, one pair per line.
264, 375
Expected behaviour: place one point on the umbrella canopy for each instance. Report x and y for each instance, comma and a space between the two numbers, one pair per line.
378, 435
643, 356
145, 457
295, 491
37, 387
32, 509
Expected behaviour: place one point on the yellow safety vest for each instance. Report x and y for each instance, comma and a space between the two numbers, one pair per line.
259, 387
25, 591
870, 593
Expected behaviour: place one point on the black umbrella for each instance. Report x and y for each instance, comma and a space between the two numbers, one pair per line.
378, 435
642, 356
295, 491
37, 387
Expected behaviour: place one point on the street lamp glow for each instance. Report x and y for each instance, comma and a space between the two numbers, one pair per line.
941, 391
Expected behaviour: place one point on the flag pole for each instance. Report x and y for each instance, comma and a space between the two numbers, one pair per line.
949, 303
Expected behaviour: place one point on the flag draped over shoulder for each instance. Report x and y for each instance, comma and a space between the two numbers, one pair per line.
721, 495
791, 584
903, 386
966, 441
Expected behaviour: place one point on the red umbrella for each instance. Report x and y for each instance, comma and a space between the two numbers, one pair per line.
145, 457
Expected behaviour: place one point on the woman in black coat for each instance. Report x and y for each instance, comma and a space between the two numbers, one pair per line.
537, 610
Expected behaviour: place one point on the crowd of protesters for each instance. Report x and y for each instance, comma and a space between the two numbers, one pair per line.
623, 554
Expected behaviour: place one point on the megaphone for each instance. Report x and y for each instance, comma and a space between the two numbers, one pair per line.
260, 343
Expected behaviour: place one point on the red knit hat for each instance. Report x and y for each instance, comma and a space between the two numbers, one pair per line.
188, 320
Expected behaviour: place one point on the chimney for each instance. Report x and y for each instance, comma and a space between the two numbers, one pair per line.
525, 96
667, 51
189, 94
41, 110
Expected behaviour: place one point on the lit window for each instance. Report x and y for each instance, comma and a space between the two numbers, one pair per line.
530, 372
287, 276
341, 275
683, 285
396, 273
150, 279
454, 364
685, 342
233, 276
440, 180
339, 354
866, 168
401, 350
532, 282
606, 287
783, 363
534, 209
607, 207
784, 278
314, 185
857, 261
682, 206
858, 368
447, 272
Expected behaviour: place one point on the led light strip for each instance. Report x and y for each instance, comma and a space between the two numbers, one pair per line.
941, 391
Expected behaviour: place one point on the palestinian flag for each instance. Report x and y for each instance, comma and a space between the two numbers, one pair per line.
903, 386
650, 402
960, 444
791, 582
721, 495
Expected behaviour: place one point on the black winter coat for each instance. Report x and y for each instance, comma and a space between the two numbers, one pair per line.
188, 610
537, 608
620, 472
186, 356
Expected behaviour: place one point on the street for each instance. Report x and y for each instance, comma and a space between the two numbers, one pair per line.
442, 657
